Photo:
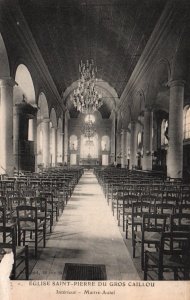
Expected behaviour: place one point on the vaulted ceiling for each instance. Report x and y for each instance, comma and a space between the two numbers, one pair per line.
112, 32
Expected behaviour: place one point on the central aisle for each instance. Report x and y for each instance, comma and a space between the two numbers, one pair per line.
86, 233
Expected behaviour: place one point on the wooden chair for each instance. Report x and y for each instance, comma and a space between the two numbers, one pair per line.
173, 255
138, 210
165, 209
20, 253
43, 215
27, 219
152, 227
52, 205
6, 219
29, 193
180, 222
184, 208
60, 193
126, 211
13, 203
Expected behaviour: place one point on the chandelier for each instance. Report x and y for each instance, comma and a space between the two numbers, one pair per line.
89, 143
89, 128
86, 97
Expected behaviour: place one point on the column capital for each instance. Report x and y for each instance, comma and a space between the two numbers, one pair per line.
54, 127
7, 81
45, 120
179, 82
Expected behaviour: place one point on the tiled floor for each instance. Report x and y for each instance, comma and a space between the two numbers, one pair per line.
86, 233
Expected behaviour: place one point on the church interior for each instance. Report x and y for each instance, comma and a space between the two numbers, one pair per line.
95, 139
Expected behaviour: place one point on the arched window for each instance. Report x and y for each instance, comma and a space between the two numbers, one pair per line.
186, 122
164, 132
140, 142
73, 142
105, 143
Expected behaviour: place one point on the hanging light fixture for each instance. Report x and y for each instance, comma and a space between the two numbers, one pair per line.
89, 143
89, 129
86, 97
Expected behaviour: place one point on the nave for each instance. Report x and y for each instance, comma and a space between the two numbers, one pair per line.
95, 224
102, 86
86, 233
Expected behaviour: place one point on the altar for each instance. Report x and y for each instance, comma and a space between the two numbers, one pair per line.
89, 161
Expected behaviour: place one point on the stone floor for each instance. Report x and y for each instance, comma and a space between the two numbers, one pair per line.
85, 233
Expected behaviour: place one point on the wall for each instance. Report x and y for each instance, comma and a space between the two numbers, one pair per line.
103, 127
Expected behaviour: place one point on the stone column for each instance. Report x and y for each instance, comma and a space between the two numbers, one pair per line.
6, 121
123, 147
113, 139
46, 142
62, 146
128, 136
66, 138
175, 149
33, 136
147, 139
34, 131
133, 146
118, 148
16, 136
159, 122
59, 145
54, 146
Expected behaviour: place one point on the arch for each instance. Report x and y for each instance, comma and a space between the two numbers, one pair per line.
53, 117
105, 143
43, 111
159, 77
139, 141
109, 96
186, 122
60, 125
140, 103
162, 66
4, 62
180, 62
25, 86
164, 132
73, 142
157, 94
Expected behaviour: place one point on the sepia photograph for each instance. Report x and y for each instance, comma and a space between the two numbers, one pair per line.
94, 149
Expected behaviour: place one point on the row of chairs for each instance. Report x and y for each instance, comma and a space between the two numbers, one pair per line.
157, 213
26, 214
